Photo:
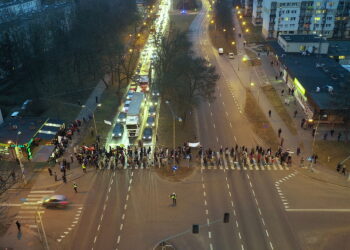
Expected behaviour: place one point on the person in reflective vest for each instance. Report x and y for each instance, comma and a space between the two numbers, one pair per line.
173, 197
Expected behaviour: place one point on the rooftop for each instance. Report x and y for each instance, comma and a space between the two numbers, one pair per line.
314, 71
339, 48
301, 38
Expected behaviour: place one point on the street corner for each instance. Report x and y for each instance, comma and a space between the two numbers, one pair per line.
60, 223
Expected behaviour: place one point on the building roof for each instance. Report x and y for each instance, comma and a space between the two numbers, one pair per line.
301, 38
27, 127
339, 48
314, 71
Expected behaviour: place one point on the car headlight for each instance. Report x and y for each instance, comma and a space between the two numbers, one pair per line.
113, 134
153, 124
118, 120
149, 137
144, 137
124, 120
120, 134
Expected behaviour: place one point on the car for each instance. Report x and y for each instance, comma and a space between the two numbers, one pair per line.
55, 201
118, 130
147, 134
129, 95
154, 101
126, 106
121, 117
231, 55
155, 92
150, 121
152, 110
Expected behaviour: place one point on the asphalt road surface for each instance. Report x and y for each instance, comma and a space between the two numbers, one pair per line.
131, 209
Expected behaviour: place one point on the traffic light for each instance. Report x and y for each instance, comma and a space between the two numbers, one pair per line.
226, 217
195, 228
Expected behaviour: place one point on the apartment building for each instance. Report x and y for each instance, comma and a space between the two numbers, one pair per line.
328, 18
257, 12
248, 7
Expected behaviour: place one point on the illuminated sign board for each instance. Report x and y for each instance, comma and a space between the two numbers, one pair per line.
299, 86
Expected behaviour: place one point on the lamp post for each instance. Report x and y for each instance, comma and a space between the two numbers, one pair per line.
175, 117
18, 157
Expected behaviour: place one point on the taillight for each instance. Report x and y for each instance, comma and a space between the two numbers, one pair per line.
63, 202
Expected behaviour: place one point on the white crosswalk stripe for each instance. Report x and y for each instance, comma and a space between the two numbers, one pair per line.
31, 206
228, 163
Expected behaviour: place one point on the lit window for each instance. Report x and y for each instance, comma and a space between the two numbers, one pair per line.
317, 18
341, 57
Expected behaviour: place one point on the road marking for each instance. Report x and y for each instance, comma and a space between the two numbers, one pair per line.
118, 240
338, 210
231, 127
267, 233
205, 202
203, 185
98, 228
230, 193
242, 246
130, 181
101, 217
232, 203
228, 186
206, 211
209, 235
95, 239
211, 113
226, 113
259, 211
129, 188
271, 245
263, 221
253, 193
236, 223
123, 216
211, 246
127, 197
204, 193
104, 207
109, 190
44, 191
217, 139
125, 206
214, 125
121, 227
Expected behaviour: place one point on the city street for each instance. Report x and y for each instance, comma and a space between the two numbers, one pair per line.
270, 206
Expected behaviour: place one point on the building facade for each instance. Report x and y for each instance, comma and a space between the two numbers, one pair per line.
248, 7
328, 18
257, 12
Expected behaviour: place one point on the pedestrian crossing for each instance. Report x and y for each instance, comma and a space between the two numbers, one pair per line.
28, 213
222, 162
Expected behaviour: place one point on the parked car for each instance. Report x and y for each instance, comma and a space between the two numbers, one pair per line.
55, 201
150, 121
118, 130
152, 110
129, 95
121, 117
154, 100
147, 134
231, 55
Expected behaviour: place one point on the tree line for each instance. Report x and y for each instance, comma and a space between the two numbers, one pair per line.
61, 51
182, 77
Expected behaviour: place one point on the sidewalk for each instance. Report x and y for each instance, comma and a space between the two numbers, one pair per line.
303, 139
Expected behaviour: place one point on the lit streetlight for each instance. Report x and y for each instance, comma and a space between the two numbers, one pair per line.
247, 30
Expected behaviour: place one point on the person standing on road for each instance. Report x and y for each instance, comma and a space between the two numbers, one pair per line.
339, 136
50, 171
71, 158
83, 166
295, 113
75, 186
18, 226
298, 151
279, 132
173, 197
55, 176
270, 113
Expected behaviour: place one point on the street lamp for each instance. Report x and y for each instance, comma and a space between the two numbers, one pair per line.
175, 117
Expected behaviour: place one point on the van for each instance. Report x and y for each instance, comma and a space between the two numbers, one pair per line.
221, 51
230, 55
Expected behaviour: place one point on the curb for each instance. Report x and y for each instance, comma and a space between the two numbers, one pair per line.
322, 180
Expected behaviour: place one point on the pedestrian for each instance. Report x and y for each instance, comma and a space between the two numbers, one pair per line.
298, 151
96, 99
339, 136
313, 132
64, 179
344, 170
301, 162
325, 136
173, 197
83, 166
13, 174
315, 157
332, 132
270, 113
18, 226
295, 113
50, 171
71, 158
55, 176
75, 186
302, 122
279, 132
282, 92
339, 167
276, 77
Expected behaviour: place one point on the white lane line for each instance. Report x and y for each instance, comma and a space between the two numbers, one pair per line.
232, 203
211, 113
339, 210
104, 207
271, 245
125, 206
206, 211
263, 221
242, 246
267, 233
130, 181
118, 240
217, 139
239, 235
99, 226
101, 217
204, 193
127, 197
229, 192
231, 127
253, 193
132, 173
209, 235
208, 221
95, 239
203, 185
211, 246
121, 227
129, 188
236, 223
259, 211
205, 202
123, 216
